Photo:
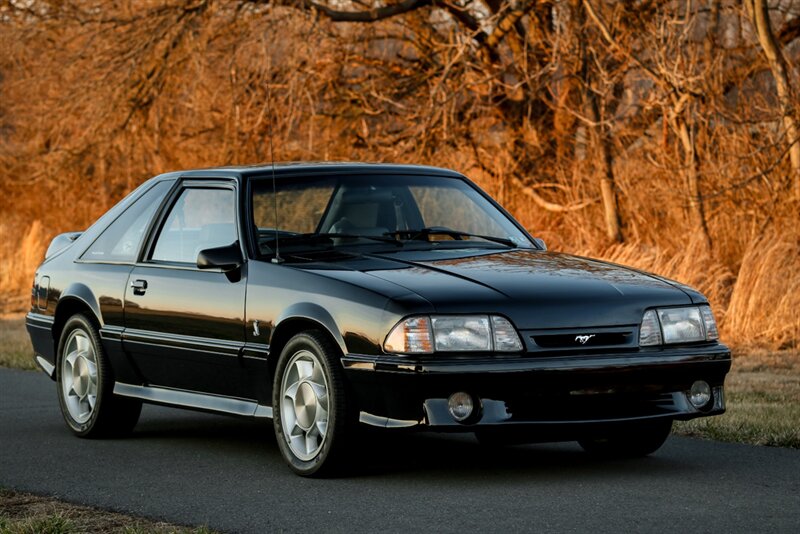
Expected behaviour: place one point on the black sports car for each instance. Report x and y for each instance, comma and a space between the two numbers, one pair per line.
327, 295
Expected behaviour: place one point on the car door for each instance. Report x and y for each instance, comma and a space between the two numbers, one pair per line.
184, 327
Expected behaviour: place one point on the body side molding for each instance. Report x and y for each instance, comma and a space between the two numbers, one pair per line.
191, 399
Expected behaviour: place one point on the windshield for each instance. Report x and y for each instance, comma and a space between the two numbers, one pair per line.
377, 211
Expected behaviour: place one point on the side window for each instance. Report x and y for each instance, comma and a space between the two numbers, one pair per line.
121, 240
199, 219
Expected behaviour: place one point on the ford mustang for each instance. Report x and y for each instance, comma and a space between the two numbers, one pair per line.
329, 296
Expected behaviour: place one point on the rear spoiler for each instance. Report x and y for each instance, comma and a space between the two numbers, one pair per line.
60, 242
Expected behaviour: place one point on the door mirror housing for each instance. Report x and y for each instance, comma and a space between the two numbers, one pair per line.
227, 258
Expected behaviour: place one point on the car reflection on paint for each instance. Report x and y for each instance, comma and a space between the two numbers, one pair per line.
328, 296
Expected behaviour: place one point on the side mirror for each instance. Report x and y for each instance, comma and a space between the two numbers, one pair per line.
540, 243
226, 258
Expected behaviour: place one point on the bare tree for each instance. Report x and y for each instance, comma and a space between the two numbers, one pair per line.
759, 13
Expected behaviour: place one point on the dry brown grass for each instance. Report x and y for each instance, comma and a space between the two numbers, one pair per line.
765, 304
21, 252
16, 350
23, 513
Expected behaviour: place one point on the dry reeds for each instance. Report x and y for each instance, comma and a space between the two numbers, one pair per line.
765, 304
22, 251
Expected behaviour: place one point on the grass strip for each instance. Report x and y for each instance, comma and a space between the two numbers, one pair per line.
23, 513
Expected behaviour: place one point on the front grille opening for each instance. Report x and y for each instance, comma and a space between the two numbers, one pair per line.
592, 407
583, 340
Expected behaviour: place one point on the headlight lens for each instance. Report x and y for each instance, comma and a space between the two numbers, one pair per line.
677, 325
681, 325
453, 333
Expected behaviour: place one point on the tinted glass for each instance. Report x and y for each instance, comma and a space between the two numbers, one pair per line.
457, 208
366, 208
199, 219
300, 205
121, 240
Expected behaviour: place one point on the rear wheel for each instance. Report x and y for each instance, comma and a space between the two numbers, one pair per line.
312, 414
629, 441
85, 383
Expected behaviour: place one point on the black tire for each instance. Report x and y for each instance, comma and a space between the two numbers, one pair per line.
629, 441
332, 448
110, 415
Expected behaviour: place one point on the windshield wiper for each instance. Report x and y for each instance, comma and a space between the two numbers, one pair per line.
443, 230
311, 236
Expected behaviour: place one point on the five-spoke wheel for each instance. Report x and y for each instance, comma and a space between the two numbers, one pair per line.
79, 376
86, 384
311, 410
304, 404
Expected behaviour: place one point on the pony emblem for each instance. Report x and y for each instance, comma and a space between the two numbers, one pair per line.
584, 338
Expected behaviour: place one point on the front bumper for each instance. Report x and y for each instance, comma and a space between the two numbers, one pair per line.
557, 392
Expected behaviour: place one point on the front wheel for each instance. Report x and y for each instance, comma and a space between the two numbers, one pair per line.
85, 384
311, 409
629, 441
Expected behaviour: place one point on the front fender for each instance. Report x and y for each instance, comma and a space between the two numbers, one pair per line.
316, 313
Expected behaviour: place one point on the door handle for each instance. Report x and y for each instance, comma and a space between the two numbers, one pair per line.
139, 287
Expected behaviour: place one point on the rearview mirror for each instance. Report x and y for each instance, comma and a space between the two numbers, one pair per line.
226, 258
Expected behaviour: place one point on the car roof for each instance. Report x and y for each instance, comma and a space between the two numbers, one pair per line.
306, 167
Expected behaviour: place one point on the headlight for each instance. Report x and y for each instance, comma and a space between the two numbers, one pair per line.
669, 326
456, 333
453, 333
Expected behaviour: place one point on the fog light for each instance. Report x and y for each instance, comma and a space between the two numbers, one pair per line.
460, 406
700, 394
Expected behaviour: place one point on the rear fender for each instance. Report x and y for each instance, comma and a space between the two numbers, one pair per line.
76, 293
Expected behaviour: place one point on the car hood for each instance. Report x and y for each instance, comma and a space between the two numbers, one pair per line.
536, 289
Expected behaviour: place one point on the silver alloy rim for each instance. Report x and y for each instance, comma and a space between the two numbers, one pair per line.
304, 405
79, 376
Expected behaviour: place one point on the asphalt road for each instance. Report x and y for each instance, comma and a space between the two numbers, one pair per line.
191, 468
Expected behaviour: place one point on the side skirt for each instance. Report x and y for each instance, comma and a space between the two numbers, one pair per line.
192, 400
46, 366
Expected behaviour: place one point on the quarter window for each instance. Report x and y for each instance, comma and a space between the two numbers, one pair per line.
121, 240
199, 219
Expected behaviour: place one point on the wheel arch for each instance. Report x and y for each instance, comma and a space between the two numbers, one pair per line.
299, 318
77, 298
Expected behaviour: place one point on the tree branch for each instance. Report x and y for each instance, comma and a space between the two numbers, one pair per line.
789, 32
369, 15
507, 22
546, 204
